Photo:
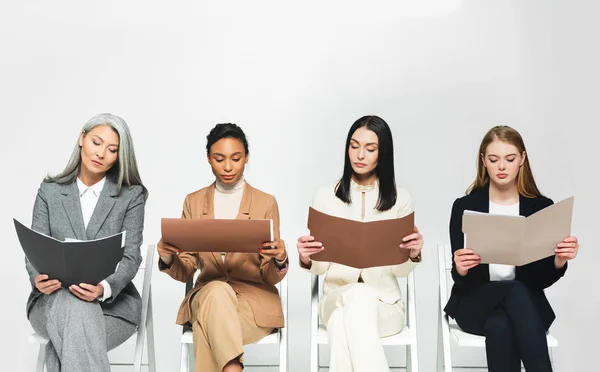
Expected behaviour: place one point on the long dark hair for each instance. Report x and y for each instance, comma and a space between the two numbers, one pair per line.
385, 163
226, 130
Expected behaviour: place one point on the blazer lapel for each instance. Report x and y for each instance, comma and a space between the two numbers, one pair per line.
243, 214
105, 203
72, 206
481, 200
208, 212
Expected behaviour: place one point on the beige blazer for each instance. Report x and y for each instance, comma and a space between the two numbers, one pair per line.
251, 276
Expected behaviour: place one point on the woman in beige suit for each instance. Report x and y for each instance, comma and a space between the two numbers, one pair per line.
234, 301
360, 306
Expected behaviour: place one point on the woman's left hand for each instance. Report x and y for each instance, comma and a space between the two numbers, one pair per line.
87, 292
414, 242
565, 251
277, 251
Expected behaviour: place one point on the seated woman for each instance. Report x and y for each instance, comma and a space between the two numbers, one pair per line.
234, 301
360, 306
98, 194
506, 304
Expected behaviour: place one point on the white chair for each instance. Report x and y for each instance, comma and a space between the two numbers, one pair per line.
448, 327
146, 328
279, 337
407, 337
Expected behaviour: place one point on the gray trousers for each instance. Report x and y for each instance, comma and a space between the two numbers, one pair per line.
80, 333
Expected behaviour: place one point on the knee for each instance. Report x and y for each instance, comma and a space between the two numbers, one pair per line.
361, 293
497, 325
215, 292
71, 303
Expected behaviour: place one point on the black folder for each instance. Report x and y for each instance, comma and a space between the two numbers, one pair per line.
71, 262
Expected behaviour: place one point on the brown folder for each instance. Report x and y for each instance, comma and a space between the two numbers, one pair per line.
518, 240
216, 235
360, 244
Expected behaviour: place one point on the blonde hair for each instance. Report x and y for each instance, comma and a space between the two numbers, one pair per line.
525, 182
125, 171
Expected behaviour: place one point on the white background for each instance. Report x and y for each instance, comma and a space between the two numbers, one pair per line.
295, 76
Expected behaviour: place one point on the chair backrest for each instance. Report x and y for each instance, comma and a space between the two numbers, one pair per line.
444, 268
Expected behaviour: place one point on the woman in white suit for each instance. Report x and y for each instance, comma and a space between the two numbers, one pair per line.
359, 306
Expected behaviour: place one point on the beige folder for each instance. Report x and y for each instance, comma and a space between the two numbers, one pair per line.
360, 244
216, 235
517, 240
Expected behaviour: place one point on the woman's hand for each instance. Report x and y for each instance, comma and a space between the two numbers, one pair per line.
87, 292
465, 260
166, 252
414, 242
277, 251
46, 286
307, 246
565, 251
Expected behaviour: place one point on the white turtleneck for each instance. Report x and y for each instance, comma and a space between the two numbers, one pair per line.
228, 198
227, 201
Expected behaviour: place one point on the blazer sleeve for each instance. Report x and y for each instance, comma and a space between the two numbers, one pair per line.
475, 276
542, 273
405, 209
41, 223
269, 271
133, 224
184, 265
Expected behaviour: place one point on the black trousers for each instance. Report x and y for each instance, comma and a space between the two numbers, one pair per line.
505, 314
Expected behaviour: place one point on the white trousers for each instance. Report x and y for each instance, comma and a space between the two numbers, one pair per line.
356, 320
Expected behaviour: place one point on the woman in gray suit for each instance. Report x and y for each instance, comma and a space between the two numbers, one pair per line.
98, 194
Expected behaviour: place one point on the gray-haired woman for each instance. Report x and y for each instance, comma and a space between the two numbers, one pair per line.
98, 194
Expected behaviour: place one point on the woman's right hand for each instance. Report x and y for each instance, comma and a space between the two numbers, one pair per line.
46, 286
166, 252
307, 246
465, 260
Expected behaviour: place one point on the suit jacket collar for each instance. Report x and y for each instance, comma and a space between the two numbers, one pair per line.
481, 202
208, 212
72, 205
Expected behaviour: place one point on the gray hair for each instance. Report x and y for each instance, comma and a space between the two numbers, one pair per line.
125, 171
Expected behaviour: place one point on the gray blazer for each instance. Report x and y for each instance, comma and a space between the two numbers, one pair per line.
57, 212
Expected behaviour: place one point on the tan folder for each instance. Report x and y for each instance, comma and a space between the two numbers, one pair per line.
517, 240
216, 235
360, 244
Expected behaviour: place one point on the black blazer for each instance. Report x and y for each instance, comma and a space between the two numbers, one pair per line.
536, 275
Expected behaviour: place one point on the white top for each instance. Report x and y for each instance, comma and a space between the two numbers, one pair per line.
382, 278
503, 272
227, 201
88, 198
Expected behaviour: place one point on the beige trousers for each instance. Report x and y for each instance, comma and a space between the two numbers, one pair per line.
355, 321
222, 323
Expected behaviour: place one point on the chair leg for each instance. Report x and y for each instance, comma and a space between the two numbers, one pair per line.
414, 358
315, 364
185, 358
150, 341
408, 358
41, 361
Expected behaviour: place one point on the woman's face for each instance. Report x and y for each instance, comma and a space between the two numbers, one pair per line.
364, 151
99, 150
503, 162
227, 158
